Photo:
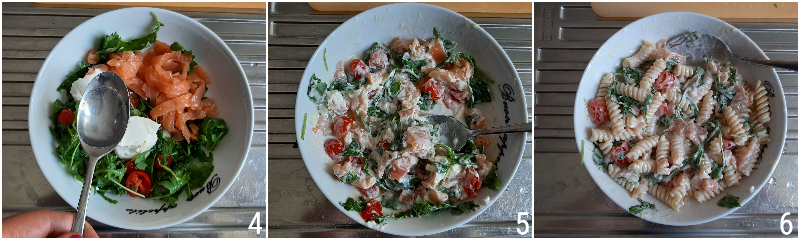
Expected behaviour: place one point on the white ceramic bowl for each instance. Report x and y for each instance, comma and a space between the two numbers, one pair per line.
668, 25
414, 20
228, 86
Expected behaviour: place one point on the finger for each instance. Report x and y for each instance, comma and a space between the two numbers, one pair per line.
88, 231
69, 235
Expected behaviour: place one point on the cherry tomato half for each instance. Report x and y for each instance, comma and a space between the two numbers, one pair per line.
664, 80
620, 152
66, 116
139, 181
357, 68
471, 182
342, 126
434, 88
598, 111
373, 209
158, 166
333, 147
130, 166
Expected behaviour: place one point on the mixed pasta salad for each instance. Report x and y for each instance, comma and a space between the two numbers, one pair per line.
371, 117
675, 131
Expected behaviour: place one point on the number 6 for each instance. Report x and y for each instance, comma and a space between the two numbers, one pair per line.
784, 222
519, 220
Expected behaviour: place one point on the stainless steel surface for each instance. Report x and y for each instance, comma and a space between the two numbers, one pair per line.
297, 208
567, 202
31, 32
102, 120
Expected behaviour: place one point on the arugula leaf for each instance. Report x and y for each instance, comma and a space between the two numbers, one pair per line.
425, 102
303, 133
375, 46
492, 180
723, 94
354, 149
480, 91
692, 36
729, 201
83, 68
450, 153
598, 156
319, 89
421, 208
413, 68
630, 75
114, 43
325, 58
354, 205
178, 47
647, 62
199, 173
212, 130
671, 63
642, 206
716, 170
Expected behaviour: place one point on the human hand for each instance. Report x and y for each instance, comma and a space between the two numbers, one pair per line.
43, 223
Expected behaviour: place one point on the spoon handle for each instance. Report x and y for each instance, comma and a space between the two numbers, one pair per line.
80, 216
791, 65
522, 127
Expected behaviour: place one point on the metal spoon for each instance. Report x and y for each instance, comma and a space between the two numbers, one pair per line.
697, 46
454, 134
102, 120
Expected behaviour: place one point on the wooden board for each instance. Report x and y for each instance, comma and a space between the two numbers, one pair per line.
752, 12
473, 7
224, 7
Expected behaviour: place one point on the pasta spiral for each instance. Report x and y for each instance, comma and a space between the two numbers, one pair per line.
677, 151
706, 108
735, 126
702, 195
645, 145
602, 92
681, 71
638, 58
647, 80
729, 174
631, 91
600, 135
641, 166
658, 99
761, 105
676, 98
641, 188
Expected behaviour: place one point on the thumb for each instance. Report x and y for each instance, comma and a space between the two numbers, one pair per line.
70, 235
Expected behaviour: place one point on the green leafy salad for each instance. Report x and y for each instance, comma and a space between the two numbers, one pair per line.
172, 129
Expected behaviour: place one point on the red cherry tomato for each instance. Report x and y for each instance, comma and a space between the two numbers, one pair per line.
598, 111
169, 162
342, 126
378, 59
620, 152
130, 166
357, 68
134, 99
434, 88
138, 181
373, 209
664, 80
471, 182
728, 144
333, 147
66, 116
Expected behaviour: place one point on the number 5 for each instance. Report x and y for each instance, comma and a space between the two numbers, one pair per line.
519, 220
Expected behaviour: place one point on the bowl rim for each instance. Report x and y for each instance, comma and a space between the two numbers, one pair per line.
754, 49
516, 84
225, 50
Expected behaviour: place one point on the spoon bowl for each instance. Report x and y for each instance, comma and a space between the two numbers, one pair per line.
101, 123
455, 135
697, 47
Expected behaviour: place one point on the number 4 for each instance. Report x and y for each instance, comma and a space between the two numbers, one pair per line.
520, 220
257, 221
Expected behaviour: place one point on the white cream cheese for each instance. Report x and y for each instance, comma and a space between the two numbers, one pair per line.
140, 136
79, 86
